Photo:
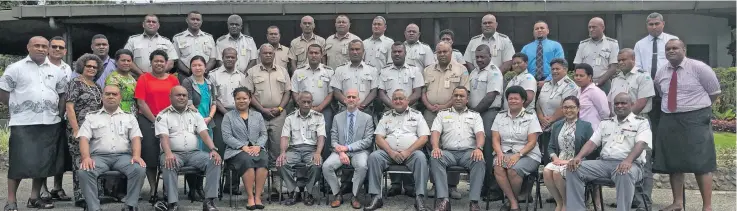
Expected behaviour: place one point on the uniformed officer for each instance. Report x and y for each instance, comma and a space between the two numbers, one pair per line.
418, 54
599, 51
302, 140
638, 84
378, 47
400, 136
336, 46
485, 97
447, 35
143, 44
226, 79
622, 141
271, 92
524, 79
440, 80
110, 140
358, 75
281, 57
298, 46
400, 75
499, 44
178, 126
458, 140
243, 44
315, 79
194, 42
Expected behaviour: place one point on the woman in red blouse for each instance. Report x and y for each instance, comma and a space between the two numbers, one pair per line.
152, 96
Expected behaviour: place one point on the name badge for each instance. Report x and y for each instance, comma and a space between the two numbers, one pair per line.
597, 61
319, 83
190, 127
446, 84
494, 52
244, 51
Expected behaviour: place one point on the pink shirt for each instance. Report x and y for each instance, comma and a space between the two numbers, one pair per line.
594, 105
696, 81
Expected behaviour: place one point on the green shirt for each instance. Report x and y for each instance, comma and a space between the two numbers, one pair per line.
127, 85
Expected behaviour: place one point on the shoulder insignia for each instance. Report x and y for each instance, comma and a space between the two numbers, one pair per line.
567, 80
203, 32
639, 117
388, 65
135, 35
389, 112
222, 37
293, 112
411, 65
456, 50
301, 66
471, 110
158, 118
529, 111
502, 111
608, 119
611, 39
586, 40
327, 67
445, 109
414, 110
316, 113
503, 35
477, 36
179, 34
641, 70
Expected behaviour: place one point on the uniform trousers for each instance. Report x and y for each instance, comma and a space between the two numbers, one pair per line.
359, 162
379, 160
273, 130
300, 154
457, 158
489, 180
590, 170
134, 173
198, 159
328, 114
453, 178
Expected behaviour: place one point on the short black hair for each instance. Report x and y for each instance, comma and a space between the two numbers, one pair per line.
122, 52
468, 92
58, 38
98, 36
560, 61
242, 89
158, 53
198, 57
448, 32
518, 90
572, 98
315, 45
587, 68
521, 56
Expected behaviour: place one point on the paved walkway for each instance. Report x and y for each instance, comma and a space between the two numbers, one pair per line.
722, 200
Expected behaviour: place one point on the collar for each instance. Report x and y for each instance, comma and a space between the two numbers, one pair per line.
152, 36
186, 109
489, 67
493, 36
309, 114
62, 64
377, 38
660, 37
46, 61
630, 118
560, 82
347, 35
395, 113
521, 113
279, 46
685, 59
240, 35
194, 81
348, 113
448, 68
107, 61
222, 69
302, 36
404, 66
632, 71
361, 64
583, 89
603, 37
407, 43
319, 67
199, 33
453, 109
541, 40
117, 111
264, 68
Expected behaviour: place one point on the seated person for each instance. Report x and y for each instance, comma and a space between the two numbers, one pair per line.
110, 140
351, 143
244, 134
458, 140
514, 138
401, 134
302, 139
623, 141
177, 126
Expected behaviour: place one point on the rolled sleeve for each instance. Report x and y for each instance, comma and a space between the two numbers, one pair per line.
530, 84
496, 82
200, 123
422, 129
478, 125
135, 129
172, 53
419, 80
508, 50
161, 127
596, 137
380, 128
437, 124
321, 128
647, 89
644, 134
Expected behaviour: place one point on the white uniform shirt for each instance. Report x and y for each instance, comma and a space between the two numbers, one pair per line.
617, 139
401, 130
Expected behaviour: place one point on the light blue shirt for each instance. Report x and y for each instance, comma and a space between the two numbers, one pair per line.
108, 67
551, 50
644, 51
348, 119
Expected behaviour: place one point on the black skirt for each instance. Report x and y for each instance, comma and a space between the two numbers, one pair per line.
35, 151
685, 143
243, 161
150, 148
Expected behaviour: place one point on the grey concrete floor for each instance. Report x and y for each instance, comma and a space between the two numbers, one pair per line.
722, 200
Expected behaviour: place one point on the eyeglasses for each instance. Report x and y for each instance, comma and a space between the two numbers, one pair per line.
59, 47
90, 66
569, 107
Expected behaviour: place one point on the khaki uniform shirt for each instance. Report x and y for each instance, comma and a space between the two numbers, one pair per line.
281, 55
458, 128
336, 49
142, 45
514, 131
110, 133
363, 78
526, 81
637, 83
244, 45
552, 94
189, 45
401, 130
499, 44
457, 57
378, 51
599, 54
304, 129
419, 54
225, 82
488, 79
315, 81
406, 77
268, 84
182, 128
440, 83
617, 139
298, 48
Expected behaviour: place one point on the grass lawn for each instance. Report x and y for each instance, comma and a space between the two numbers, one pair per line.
724, 140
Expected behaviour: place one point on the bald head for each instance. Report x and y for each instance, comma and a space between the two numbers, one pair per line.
444, 53
179, 97
596, 28
38, 49
488, 25
622, 105
412, 33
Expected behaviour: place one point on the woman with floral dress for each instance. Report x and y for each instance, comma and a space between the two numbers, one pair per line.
83, 96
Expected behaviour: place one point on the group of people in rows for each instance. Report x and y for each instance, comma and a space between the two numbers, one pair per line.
366, 105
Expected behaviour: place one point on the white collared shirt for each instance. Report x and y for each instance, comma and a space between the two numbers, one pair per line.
34, 92
644, 51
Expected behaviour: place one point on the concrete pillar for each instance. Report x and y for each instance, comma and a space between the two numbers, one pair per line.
68, 39
618, 28
246, 29
436, 31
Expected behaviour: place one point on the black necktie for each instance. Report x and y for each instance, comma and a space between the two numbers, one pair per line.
654, 63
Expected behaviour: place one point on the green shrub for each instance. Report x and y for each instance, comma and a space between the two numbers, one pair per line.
725, 101
4, 139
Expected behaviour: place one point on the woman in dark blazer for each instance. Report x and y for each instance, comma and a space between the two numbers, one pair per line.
567, 136
244, 133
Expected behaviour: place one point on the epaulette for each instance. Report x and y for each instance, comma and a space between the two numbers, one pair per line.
456, 50
327, 67
640, 70
471, 110
503, 35
203, 32
567, 80
222, 37
388, 112
446, 109
640, 118
167, 109
302, 66
316, 113
586, 40
529, 111
135, 35
477, 36
293, 112
503, 111
413, 110
411, 65
611, 39
608, 119
388, 65
179, 34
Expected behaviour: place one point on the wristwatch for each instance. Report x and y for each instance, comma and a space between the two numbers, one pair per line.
480, 148
214, 149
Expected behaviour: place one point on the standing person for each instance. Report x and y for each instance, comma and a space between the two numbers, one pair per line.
122, 78
686, 142
57, 52
281, 52
541, 52
336, 46
378, 46
83, 96
418, 54
524, 79
101, 48
298, 46
142, 45
194, 42
594, 104
244, 132
202, 94
600, 52
152, 96
447, 35
500, 46
549, 101
243, 44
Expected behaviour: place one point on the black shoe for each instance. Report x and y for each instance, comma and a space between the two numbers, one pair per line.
420, 204
250, 207
193, 196
173, 207
635, 204
209, 205
346, 188
60, 195
309, 200
550, 200
39, 204
259, 206
290, 199
394, 190
375, 204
